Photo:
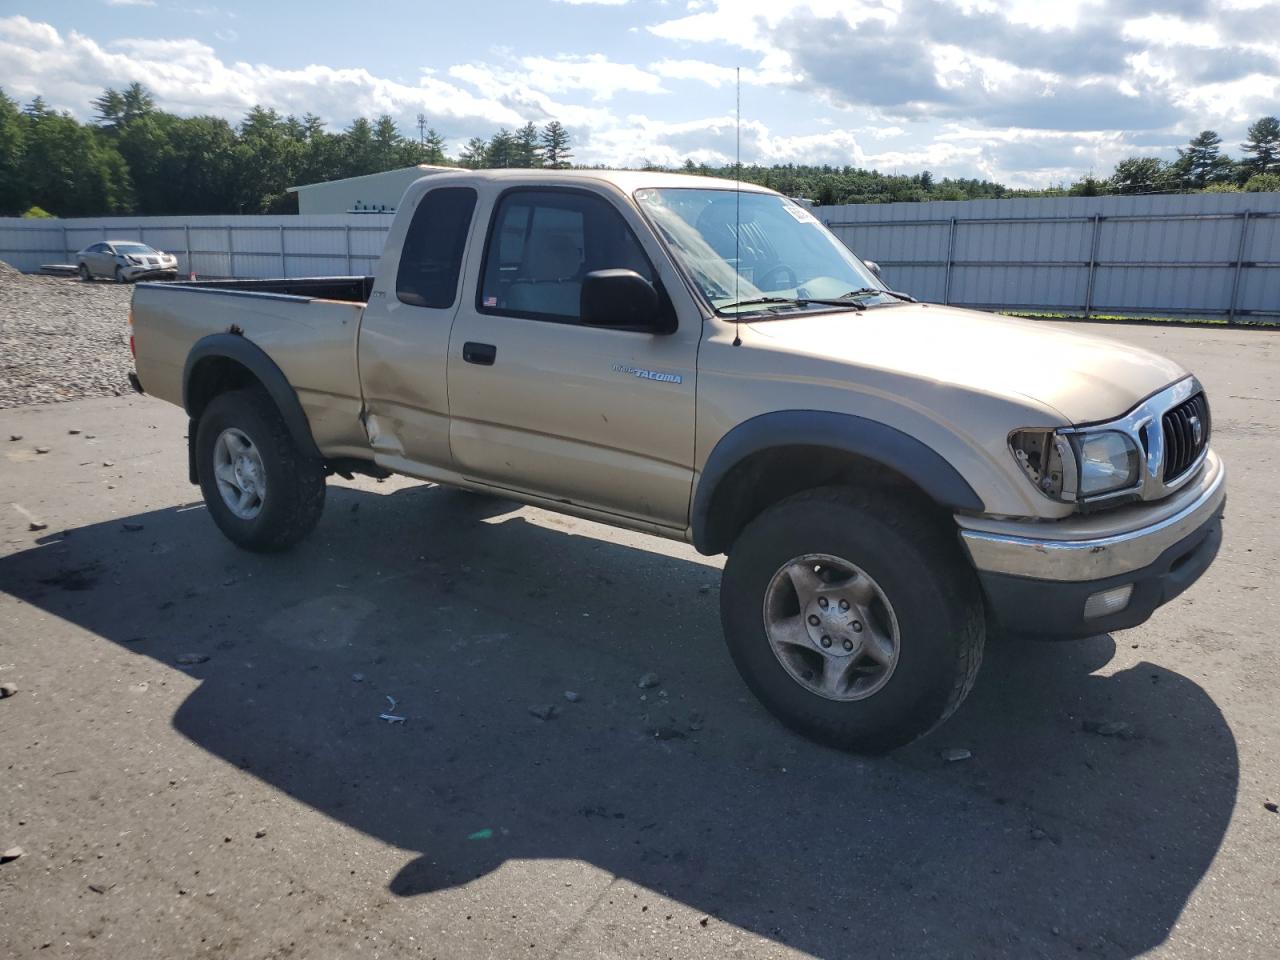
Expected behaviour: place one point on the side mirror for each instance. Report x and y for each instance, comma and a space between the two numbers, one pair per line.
623, 300
874, 268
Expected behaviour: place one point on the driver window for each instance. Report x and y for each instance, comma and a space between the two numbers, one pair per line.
542, 243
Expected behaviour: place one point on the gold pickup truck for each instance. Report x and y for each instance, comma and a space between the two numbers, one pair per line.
704, 362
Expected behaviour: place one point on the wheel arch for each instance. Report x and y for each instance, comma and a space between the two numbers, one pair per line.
774, 455
228, 361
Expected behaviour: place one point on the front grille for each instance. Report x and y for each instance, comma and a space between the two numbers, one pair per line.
1186, 434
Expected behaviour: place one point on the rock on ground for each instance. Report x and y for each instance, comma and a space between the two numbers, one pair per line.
62, 339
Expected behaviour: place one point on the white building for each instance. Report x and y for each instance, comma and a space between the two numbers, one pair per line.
372, 193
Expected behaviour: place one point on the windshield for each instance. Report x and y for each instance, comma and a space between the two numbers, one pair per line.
750, 252
134, 248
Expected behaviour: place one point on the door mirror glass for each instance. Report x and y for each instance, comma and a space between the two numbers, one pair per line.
621, 299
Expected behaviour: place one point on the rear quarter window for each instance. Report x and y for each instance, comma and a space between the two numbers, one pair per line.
431, 257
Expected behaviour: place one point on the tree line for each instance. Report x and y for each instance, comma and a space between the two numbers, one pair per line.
136, 159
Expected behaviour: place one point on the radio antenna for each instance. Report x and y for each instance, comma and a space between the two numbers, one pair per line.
737, 206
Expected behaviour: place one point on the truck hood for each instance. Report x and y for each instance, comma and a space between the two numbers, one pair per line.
1084, 378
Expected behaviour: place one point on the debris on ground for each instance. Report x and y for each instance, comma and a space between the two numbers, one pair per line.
35, 525
485, 834
13, 853
696, 720
545, 711
392, 718
14, 437
648, 681
572, 697
73, 431
7, 690
1271, 805
190, 659
705, 589
42, 449
260, 833
956, 753
131, 527
665, 732
1108, 728
358, 677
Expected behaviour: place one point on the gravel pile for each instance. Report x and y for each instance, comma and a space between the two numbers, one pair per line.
61, 338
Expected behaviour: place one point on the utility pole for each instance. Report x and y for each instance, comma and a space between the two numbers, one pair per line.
422, 129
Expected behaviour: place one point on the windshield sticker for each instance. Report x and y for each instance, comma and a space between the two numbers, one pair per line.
659, 375
799, 213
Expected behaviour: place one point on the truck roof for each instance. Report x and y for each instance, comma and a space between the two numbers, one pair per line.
625, 180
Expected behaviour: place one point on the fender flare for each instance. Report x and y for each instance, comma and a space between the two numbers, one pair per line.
253, 358
870, 439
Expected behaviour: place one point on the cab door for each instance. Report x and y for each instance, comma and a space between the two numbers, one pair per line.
539, 403
404, 334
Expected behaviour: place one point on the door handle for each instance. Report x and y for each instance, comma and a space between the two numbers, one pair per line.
481, 353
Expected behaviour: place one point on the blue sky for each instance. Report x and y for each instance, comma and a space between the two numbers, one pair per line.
1028, 92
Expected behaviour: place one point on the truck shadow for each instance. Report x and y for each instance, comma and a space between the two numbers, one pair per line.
1050, 840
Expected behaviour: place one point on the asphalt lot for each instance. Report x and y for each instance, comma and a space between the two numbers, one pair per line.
254, 804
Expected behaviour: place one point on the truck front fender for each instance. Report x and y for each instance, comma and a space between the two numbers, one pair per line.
856, 436
218, 352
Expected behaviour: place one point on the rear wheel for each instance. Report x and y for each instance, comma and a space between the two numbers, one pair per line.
261, 491
853, 617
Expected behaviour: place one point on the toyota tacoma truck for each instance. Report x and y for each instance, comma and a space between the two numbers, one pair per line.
706, 362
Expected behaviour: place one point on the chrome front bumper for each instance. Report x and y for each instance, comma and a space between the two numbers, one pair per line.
1078, 550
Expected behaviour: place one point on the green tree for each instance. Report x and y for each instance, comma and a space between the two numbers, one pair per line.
528, 147
109, 109
555, 146
358, 156
474, 154
387, 144
1263, 183
1142, 175
67, 170
13, 188
502, 150
1201, 162
1262, 148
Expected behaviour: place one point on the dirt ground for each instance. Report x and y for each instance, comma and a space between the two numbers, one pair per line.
253, 804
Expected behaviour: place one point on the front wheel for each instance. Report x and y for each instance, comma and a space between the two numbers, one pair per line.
120, 276
853, 617
84, 272
262, 492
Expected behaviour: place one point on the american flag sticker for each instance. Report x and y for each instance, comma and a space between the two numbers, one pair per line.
490, 301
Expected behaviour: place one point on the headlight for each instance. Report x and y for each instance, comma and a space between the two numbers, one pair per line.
1108, 461
132, 259
1075, 467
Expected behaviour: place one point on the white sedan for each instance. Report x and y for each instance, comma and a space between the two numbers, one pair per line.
125, 261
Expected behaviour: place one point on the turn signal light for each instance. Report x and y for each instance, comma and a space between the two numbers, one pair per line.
1106, 602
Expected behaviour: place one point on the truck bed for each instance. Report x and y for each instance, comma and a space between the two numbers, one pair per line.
306, 326
346, 289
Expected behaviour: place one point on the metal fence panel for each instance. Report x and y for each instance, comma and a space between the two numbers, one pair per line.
1200, 254
229, 246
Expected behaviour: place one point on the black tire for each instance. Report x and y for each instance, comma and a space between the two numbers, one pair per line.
120, 276
295, 483
918, 564
84, 272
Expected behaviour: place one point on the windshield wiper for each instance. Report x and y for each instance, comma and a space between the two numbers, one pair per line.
868, 291
792, 302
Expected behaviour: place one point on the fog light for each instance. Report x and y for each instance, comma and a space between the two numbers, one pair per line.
1106, 602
